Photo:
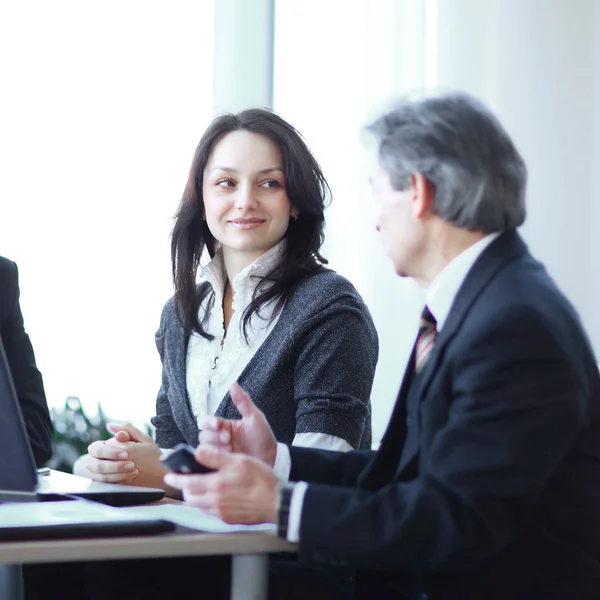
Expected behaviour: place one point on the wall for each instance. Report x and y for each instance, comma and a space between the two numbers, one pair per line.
534, 62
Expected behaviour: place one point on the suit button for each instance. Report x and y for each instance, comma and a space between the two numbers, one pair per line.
424, 596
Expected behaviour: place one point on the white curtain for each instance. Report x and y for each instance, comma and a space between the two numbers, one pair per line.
102, 105
336, 64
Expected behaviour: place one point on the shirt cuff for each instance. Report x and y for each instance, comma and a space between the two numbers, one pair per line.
322, 441
283, 463
296, 504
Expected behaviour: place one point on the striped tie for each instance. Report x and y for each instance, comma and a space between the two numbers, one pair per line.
425, 339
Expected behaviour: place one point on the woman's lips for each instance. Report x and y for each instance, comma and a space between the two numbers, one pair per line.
246, 223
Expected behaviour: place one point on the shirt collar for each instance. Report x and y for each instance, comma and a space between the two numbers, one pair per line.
443, 289
244, 282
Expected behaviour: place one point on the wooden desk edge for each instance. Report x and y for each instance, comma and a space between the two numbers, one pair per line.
179, 543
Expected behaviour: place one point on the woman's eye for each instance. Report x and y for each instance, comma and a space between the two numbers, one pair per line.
225, 183
271, 183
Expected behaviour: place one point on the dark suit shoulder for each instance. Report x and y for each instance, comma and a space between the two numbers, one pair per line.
6, 263
506, 281
539, 297
8, 270
522, 313
8, 287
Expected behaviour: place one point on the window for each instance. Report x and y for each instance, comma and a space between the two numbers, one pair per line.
360, 55
102, 107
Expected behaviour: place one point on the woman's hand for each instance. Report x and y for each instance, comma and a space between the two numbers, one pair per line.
131, 456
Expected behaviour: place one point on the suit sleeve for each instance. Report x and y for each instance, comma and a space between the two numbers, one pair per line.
512, 390
334, 371
26, 376
332, 468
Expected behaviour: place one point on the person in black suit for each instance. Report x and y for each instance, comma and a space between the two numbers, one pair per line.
486, 484
21, 360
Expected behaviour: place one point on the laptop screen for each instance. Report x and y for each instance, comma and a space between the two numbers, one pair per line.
18, 483
17, 467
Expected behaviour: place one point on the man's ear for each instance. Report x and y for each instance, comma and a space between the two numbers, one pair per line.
423, 194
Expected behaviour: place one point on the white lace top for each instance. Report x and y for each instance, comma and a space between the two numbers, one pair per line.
213, 365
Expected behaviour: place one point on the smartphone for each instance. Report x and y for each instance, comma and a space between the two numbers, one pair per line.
182, 460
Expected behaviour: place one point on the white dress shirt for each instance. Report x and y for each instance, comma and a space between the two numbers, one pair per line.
213, 365
440, 296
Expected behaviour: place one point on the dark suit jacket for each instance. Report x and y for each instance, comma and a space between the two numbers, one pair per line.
487, 481
21, 360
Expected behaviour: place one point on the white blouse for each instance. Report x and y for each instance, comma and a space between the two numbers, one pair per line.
213, 365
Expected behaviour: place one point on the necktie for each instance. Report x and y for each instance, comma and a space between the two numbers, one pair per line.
425, 339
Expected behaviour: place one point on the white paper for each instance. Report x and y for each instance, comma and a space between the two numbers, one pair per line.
37, 514
194, 518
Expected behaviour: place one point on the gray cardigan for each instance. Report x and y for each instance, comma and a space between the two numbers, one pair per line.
313, 373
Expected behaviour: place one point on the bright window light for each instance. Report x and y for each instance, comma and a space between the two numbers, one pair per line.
102, 106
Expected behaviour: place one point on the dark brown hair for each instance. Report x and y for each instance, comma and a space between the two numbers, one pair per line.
307, 191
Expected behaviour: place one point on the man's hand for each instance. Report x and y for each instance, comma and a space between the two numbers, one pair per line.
243, 490
250, 435
131, 456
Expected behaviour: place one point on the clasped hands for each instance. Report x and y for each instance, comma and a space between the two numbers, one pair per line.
243, 489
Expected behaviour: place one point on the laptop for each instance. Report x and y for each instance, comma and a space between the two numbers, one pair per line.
58, 504
53, 483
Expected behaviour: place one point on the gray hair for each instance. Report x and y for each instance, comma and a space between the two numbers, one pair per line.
460, 148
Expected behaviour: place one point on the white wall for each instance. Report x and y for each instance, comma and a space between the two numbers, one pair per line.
360, 55
593, 224
536, 63
101, 109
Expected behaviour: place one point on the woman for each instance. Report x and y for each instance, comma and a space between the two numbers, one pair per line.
266, 313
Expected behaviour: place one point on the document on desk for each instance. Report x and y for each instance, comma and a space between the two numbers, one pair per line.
194, 518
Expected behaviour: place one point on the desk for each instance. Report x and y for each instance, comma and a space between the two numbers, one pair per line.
248, 549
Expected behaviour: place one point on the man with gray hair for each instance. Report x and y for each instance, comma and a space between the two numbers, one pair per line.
486, 484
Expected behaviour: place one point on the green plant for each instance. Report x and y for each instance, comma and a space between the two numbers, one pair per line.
74, 431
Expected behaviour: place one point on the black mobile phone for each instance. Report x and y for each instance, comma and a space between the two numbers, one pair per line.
182, 460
